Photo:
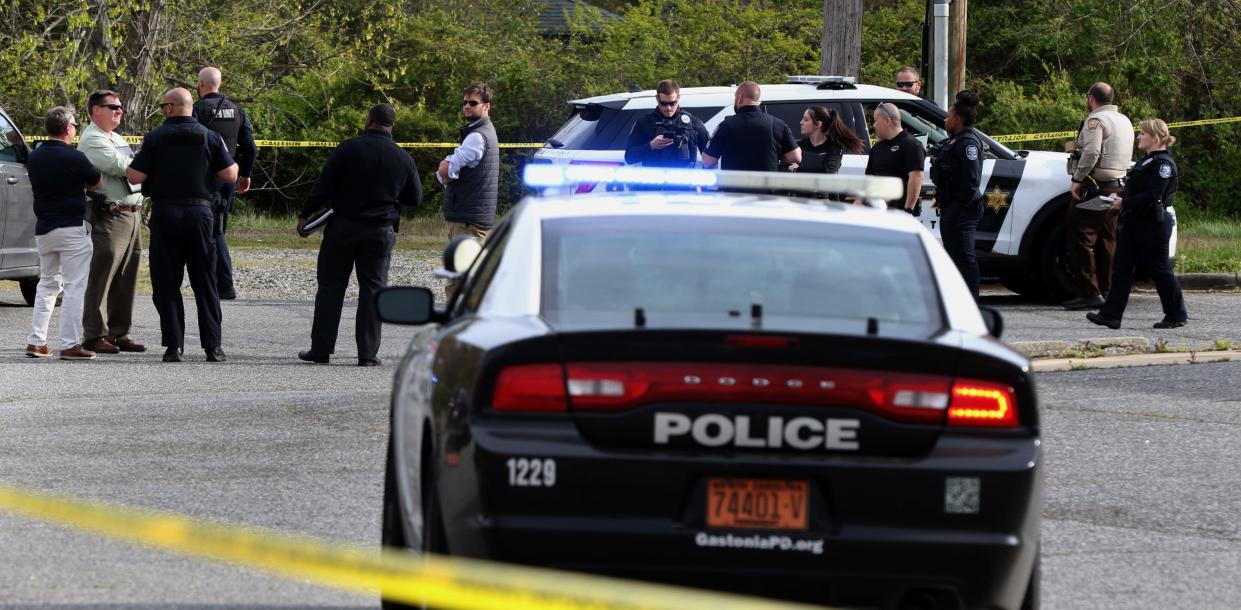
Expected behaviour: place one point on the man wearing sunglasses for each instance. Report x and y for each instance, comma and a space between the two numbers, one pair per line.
109, 308
471, 174
908, 80
667, 136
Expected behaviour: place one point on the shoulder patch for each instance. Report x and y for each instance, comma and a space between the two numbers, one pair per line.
971, 152
1165, 171
895, 148
685, 119
1093, 124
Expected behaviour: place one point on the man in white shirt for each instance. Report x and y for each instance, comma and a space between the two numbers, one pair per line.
471, 174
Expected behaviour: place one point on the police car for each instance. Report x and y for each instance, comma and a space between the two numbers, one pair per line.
787, 397
1020, 239
19, 258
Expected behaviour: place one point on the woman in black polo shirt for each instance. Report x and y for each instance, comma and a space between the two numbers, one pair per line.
826, 140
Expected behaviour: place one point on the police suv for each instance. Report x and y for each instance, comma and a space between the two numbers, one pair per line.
748, 392
1020, 239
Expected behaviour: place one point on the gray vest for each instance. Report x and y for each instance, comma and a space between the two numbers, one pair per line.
471, 198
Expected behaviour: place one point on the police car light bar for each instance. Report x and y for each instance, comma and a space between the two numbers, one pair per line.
814, 79
873, 189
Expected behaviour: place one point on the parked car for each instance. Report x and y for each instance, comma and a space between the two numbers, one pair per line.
1020, 240
19, 259
755, 393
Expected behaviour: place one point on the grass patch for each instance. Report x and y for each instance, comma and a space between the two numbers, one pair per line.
1207, 244
255, 231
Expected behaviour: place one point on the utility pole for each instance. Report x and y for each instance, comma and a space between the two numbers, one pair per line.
842, 38
957, 30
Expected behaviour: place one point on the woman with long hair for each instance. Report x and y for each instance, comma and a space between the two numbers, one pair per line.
826, 140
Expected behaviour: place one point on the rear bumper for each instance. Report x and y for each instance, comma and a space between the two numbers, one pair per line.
878, 528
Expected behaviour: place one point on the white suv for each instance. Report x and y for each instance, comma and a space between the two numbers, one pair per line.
1020, 239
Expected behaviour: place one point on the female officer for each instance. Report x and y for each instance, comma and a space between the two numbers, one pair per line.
1142, 242
826, 140
957, 171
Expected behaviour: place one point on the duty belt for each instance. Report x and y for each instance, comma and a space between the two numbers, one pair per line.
181, 201
123, 207
1113, 183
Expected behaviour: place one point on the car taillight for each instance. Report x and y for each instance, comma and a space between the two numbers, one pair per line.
530, 388
619, 386
982, 404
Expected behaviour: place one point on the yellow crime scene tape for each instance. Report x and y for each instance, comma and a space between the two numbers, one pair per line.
442, 582
1007, 138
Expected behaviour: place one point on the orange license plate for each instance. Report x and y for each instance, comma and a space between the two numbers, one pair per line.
757, 503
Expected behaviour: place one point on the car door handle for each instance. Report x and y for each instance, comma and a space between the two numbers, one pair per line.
11, 180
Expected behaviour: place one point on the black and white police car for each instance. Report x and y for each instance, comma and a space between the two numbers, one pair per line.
745, 392
1020, 238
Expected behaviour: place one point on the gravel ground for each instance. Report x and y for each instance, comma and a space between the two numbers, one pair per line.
279, 273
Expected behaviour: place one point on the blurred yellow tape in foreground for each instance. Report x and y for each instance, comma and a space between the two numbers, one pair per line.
441, 582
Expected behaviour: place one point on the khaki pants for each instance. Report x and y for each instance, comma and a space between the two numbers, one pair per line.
109, 308
461, 228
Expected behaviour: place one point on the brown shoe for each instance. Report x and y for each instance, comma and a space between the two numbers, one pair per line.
77, 352
102, 346
129, 345
38, 351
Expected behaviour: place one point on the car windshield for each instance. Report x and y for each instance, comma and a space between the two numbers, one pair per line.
597, 127
708, 272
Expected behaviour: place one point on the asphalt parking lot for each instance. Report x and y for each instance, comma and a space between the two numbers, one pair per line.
1140, 511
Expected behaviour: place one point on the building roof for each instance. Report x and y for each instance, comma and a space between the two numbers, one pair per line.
554, 17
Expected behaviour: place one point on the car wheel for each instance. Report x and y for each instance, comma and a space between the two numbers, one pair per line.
1031, 600
28, 290
394, 534
1055, 268
1024, 285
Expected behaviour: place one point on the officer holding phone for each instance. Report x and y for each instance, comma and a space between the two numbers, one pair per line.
667, 136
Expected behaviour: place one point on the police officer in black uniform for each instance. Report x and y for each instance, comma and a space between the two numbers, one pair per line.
178, 166
751, 139
667, 136
957, 171
1145, 229
225, 117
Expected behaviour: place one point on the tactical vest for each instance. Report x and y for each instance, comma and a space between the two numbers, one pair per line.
221, 115
181, 164
945, 169
471, 198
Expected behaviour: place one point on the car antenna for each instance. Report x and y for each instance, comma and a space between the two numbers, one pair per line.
639, 317
634, 88
872, 326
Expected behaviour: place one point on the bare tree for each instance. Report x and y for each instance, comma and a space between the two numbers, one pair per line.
842, 37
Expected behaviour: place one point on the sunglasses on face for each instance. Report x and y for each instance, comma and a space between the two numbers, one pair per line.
166, 104
471, 103
113, 107
669, 104
904, 84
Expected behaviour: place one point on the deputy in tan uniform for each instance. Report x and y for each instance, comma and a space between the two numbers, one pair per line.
1098, 160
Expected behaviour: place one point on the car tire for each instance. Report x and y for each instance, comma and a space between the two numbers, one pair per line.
1031, 600
29, 287
1054, 267
1024, 285
393, 534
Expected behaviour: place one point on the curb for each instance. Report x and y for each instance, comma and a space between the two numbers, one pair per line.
1083, 349
1116, 362
1204, 281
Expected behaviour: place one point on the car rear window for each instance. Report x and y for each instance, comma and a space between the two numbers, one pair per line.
699, 272
597, 127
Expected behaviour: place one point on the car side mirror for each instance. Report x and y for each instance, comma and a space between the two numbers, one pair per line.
460, 253
410, 305
992, 318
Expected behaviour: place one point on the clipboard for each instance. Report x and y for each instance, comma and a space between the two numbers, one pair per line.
1096, 204
317, 221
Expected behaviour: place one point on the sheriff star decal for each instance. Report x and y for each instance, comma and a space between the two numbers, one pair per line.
997, 200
